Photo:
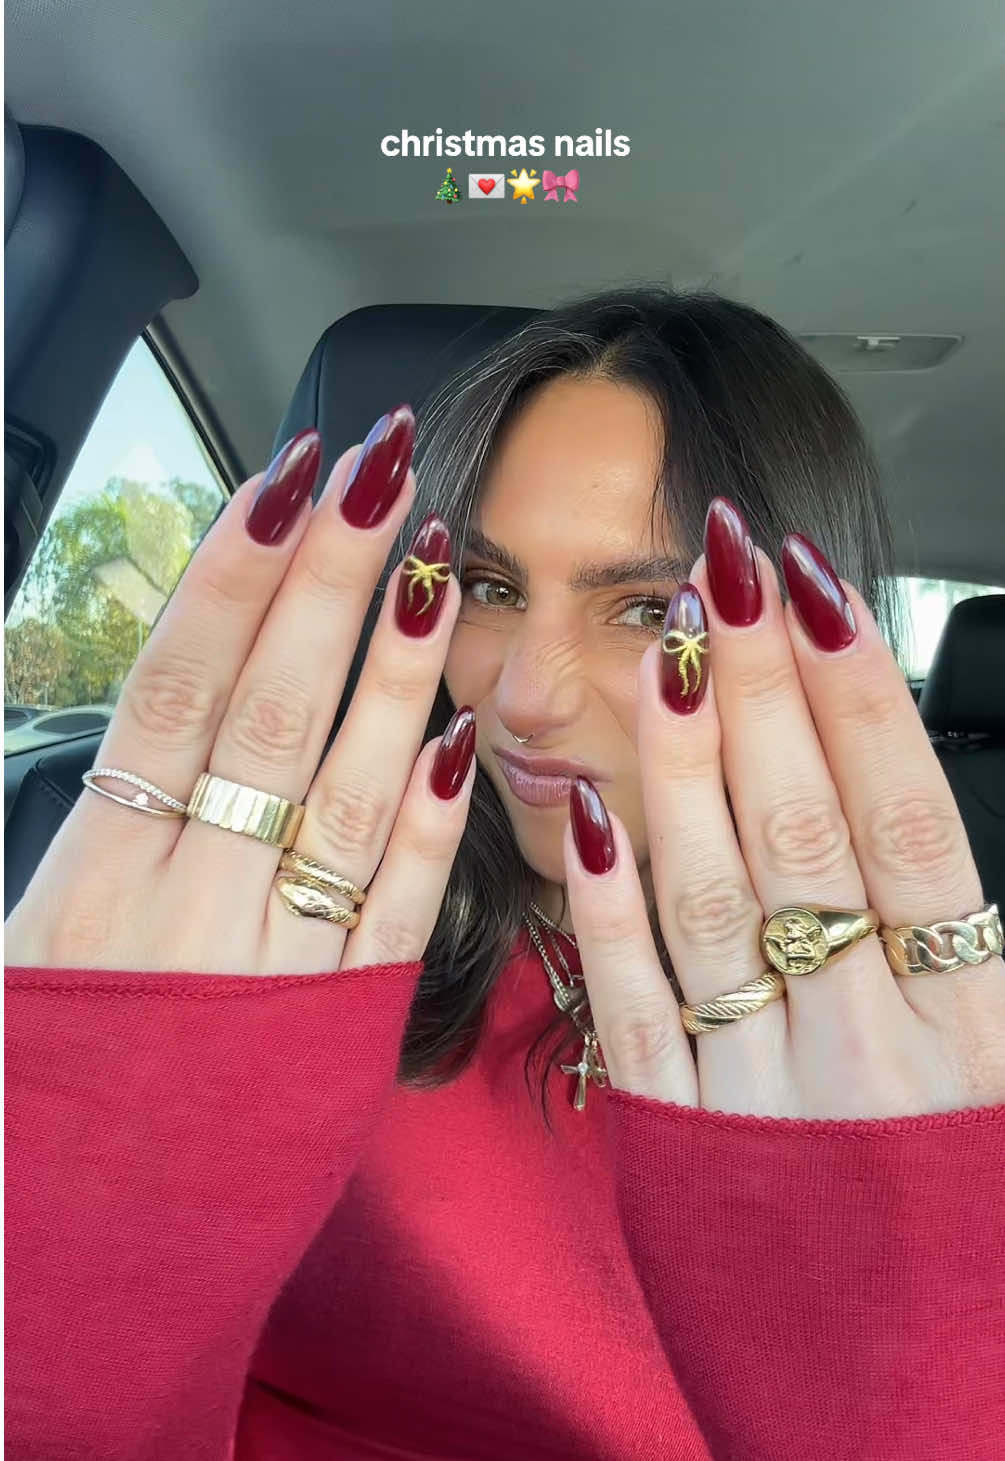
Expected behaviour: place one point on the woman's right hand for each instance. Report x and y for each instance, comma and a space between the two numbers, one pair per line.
242, 676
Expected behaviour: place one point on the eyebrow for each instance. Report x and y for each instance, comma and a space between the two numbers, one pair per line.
586, 575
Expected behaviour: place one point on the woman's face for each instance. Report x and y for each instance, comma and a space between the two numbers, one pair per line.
554, 618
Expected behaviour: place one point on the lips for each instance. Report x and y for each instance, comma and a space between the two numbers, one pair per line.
541, 781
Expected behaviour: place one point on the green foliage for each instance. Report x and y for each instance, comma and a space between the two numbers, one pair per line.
35, 660
74, 623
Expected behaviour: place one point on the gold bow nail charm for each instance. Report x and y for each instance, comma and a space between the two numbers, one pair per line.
426, 569
427, 574
685, 643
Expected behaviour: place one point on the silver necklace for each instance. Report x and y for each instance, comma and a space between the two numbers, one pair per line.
589, 1067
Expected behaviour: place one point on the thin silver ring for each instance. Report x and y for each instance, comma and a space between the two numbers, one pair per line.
138, 803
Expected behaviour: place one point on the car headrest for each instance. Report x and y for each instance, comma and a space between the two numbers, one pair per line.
965, 687
376, 357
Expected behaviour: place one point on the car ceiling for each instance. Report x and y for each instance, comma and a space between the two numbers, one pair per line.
838, 166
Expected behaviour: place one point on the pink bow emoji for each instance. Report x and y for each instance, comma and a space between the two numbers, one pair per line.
552, 182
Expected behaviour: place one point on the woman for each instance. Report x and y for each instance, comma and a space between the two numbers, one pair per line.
765, 1217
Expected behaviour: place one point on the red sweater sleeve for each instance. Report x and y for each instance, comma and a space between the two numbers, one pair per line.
823, 1288
173, 1144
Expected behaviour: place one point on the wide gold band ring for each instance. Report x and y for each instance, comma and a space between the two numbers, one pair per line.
940, 948
801, 939
725, 1008
243, 809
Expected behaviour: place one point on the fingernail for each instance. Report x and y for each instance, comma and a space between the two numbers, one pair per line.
732, 564
380, 469
422, 584
284, 489
591, 827
820, 602
684, 661
453, 755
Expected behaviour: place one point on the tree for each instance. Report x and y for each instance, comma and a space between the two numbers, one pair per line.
449, 190
35, 661
203, 504
150, 536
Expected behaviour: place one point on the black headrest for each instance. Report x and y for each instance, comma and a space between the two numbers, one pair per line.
965, 688
375, 358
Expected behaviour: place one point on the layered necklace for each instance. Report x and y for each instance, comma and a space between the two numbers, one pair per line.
589, 1067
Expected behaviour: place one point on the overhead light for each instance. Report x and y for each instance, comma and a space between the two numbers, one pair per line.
880, 351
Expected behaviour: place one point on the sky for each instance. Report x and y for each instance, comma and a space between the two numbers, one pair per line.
141, 432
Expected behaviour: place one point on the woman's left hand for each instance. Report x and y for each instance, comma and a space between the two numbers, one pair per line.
803, 716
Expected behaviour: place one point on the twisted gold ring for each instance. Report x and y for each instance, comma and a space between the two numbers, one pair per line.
725, 1008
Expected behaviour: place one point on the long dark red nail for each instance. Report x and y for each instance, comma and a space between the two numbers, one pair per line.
816, 593
453, 755
422, 585
732, 564
684, 661
380, 469
591, 827
285, 488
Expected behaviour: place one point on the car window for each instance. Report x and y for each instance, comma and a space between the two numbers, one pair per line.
138, 499
927, 603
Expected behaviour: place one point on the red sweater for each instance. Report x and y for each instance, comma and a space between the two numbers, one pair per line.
232, 1237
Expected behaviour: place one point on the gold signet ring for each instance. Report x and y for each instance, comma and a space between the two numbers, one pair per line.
801, 940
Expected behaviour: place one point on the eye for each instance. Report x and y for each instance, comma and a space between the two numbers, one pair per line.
495, 595
655, 608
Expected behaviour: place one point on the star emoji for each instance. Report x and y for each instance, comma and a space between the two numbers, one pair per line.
524, 185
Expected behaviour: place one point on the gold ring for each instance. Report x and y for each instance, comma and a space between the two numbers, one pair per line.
725, 1008
307, 900
800, 940
243, 809
323, 877
942, 947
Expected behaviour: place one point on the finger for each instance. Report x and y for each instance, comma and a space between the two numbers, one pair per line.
176, 693
908, 836
404, 898
636, 1016
793, 833
709, 914
356, 795
283, 704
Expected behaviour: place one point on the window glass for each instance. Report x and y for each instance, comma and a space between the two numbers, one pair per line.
927, 603
141, 494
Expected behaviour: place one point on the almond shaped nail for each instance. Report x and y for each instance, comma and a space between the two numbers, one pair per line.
820, 602
684, 660
591, 827
732, 564
454, 754
379, 472
286, 486
422, 583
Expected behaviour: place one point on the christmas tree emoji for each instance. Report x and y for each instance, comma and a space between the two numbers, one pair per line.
449, 190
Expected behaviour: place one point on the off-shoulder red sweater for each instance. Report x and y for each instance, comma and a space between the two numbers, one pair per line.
231, 1236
